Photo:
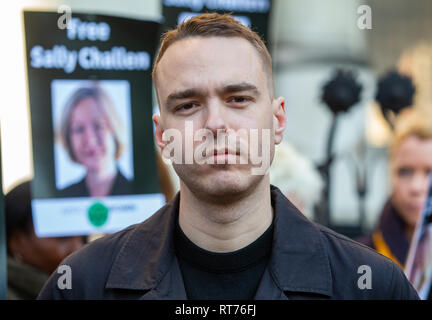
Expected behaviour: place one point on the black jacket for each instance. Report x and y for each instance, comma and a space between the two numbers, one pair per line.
308, 261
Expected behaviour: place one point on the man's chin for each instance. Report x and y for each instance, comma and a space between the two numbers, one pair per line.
220, 193
220, 185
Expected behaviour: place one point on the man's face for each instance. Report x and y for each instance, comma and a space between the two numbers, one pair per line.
411, 166
218, 84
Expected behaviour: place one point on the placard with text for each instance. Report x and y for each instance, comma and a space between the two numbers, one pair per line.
90, 96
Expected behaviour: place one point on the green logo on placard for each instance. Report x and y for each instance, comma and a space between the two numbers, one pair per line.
98, 214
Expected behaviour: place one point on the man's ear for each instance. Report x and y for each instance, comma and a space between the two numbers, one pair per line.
279, 118
159, 131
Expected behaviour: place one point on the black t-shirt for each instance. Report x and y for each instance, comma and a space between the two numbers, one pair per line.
222, 276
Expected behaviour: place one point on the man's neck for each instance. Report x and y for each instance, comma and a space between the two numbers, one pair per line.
226, 227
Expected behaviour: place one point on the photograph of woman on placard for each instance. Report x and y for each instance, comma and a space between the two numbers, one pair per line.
93, 134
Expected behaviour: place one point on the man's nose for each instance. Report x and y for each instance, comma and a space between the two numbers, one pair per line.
216, 116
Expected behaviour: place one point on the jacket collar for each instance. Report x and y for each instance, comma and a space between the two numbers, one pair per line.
298, 263
148, 253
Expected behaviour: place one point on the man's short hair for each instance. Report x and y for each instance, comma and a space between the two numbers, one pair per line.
216, 25
412, 122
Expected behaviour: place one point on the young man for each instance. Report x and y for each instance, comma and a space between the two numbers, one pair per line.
228, 234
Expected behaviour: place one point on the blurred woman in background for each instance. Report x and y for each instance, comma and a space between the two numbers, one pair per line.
411, 165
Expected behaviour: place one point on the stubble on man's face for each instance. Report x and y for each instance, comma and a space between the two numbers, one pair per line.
208, 73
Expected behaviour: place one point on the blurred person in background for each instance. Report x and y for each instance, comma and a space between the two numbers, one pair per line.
30, 259
296, 177
410, 166
93, 136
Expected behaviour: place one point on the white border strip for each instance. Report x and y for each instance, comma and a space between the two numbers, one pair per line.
69, 216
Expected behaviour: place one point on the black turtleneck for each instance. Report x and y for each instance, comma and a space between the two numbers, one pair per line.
222, 276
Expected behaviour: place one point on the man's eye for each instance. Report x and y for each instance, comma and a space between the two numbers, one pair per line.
186, 107
239, 99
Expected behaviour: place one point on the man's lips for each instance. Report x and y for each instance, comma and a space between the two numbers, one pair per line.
222, 152
225, 156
